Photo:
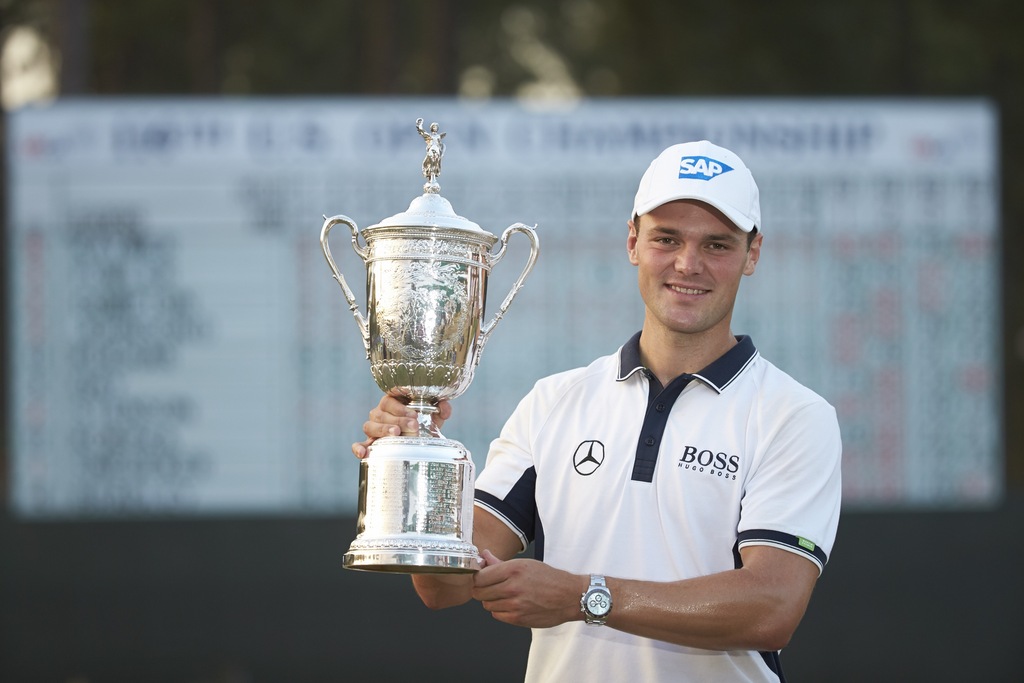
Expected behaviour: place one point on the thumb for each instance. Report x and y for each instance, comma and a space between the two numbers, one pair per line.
489, 559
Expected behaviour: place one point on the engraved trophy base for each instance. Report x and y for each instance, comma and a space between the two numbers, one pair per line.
415, 508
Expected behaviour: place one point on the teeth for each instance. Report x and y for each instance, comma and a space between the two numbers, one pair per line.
687, 290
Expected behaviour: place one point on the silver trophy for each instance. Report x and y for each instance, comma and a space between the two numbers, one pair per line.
426, 285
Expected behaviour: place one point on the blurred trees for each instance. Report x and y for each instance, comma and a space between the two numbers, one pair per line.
604, 47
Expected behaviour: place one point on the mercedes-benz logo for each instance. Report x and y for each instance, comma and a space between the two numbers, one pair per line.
588, 457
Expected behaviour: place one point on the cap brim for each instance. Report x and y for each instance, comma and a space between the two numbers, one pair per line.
737, 217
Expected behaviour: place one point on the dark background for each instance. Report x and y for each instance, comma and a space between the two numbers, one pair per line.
907, 596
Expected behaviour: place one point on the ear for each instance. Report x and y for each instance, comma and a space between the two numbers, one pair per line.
753, 254
631, 240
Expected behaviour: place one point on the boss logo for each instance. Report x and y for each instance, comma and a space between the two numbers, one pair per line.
701, 168
709, 462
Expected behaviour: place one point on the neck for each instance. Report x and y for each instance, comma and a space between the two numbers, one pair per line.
670, 355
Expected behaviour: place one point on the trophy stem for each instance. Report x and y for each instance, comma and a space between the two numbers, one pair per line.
425, 419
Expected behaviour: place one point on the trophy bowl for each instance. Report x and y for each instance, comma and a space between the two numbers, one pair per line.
426, 289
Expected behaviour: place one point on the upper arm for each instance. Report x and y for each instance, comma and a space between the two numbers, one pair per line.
786, 581
490, 533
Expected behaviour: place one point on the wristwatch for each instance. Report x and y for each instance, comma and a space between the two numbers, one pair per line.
596, 602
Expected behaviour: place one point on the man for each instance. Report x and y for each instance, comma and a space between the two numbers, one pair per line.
683, 494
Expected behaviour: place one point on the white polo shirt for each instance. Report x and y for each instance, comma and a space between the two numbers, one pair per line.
611, 474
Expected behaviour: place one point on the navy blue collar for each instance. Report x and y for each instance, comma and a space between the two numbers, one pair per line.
717, 375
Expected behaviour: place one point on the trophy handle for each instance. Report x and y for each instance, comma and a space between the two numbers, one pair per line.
362, 252
531, 234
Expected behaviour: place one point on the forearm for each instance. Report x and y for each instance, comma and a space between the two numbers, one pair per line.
438, 591
733, 610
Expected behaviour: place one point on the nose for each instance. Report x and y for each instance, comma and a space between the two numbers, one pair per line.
689, 260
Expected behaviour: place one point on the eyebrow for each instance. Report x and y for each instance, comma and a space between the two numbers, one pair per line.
714, 237
725, 237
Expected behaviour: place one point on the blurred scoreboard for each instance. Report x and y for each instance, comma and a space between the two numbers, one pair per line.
177, 346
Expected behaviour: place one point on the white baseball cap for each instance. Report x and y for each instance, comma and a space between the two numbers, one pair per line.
706, 172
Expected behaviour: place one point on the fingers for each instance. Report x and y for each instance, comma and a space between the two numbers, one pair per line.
361, 450
393, 417
485, 579
379, 426
373, 431
441, 414
394, 403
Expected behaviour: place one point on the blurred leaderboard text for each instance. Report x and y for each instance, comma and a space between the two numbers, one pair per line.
177, 345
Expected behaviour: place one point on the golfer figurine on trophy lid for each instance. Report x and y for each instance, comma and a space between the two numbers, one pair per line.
424, 331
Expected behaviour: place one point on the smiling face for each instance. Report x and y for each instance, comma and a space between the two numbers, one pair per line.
690, 259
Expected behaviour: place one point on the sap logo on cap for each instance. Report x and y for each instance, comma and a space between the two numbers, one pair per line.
701, 168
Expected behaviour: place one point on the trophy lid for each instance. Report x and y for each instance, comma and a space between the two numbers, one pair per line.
431, 210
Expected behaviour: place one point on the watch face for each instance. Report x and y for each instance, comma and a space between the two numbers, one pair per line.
598, 603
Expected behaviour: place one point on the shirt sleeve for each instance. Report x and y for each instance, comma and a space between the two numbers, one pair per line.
506, 486
793, 495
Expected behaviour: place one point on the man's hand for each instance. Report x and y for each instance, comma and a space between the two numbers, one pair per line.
528, 593
447, 590
393, 417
